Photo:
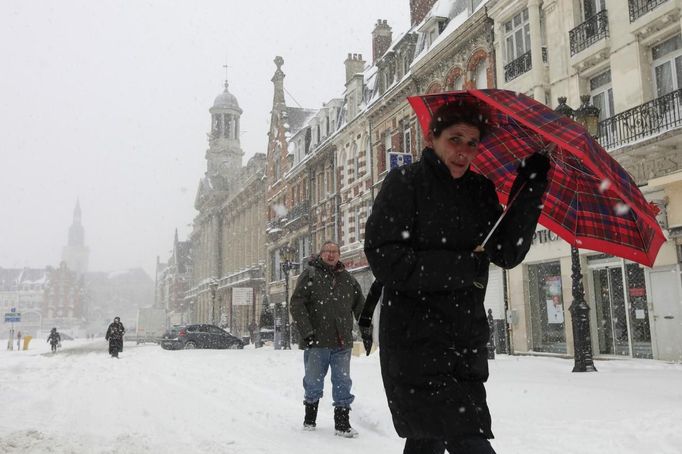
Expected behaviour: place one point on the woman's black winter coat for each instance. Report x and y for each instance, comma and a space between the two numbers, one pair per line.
433, 330
114, 335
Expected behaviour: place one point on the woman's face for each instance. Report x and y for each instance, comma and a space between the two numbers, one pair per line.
456, 147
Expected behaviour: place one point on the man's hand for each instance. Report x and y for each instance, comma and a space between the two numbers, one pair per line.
310, 341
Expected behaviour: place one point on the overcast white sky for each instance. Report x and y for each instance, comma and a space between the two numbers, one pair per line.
107, 101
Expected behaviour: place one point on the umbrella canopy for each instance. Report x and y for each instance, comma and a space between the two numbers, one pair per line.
591, 201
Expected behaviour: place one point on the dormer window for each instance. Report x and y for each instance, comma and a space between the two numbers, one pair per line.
308, 139
432, 27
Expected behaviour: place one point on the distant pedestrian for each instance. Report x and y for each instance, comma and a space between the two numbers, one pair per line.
114, 335
54, 339
323, 305
18, 340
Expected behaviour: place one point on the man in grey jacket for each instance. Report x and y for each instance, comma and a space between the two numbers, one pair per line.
323, 305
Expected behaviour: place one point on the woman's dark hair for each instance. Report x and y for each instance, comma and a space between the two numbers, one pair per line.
454, 113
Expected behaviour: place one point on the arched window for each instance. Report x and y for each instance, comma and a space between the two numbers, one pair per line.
454, 80
368, 155
480, 74
354, 157
435, 87
341, 167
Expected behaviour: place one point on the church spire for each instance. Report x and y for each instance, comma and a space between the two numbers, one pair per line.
77, 212
75, 253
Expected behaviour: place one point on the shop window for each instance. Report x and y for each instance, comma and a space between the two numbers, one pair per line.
547, 308
638, 311
622, 317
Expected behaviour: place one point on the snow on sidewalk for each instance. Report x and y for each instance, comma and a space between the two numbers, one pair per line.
250, 401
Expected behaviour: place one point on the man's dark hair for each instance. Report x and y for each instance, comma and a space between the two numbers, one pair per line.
457, 112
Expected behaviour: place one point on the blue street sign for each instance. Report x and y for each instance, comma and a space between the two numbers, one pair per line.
398, 159
12, 317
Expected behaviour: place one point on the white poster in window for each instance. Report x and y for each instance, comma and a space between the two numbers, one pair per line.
639, 314
555, 310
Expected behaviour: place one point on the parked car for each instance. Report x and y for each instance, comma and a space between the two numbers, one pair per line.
199, 336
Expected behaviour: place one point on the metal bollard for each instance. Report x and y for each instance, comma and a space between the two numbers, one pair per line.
491, 338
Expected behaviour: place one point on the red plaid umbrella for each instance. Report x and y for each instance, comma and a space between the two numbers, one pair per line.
591, 201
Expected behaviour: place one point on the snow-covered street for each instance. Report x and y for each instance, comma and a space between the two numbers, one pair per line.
250, 401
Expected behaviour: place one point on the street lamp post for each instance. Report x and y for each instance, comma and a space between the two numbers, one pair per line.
213, 286
287, 254
588, 116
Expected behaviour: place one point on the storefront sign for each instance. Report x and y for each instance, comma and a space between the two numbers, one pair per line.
355, 263
544, 236
646, 169
637, 291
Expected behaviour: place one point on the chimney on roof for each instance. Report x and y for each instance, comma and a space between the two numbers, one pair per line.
381, 39
354, 65
419, 9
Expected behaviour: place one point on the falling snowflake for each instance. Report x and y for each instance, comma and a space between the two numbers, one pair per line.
621, 209
280, 210
605, 184
519, 242
405, 234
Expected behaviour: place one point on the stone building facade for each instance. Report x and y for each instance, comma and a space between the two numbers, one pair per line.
227, 239
624, 56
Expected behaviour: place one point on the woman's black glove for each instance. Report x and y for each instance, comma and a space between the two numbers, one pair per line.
366, 329
310, 341
534, 167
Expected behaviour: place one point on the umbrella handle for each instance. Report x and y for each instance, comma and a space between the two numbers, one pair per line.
481, 248
545, 151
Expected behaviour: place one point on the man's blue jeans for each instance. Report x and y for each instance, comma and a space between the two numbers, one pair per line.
316, 362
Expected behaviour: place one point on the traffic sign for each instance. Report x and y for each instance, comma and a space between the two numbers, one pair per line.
12, 317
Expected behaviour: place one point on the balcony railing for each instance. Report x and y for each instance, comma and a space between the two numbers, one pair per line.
639, 8
589, 32
517, 67
521, 65
656, 116
299, 210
